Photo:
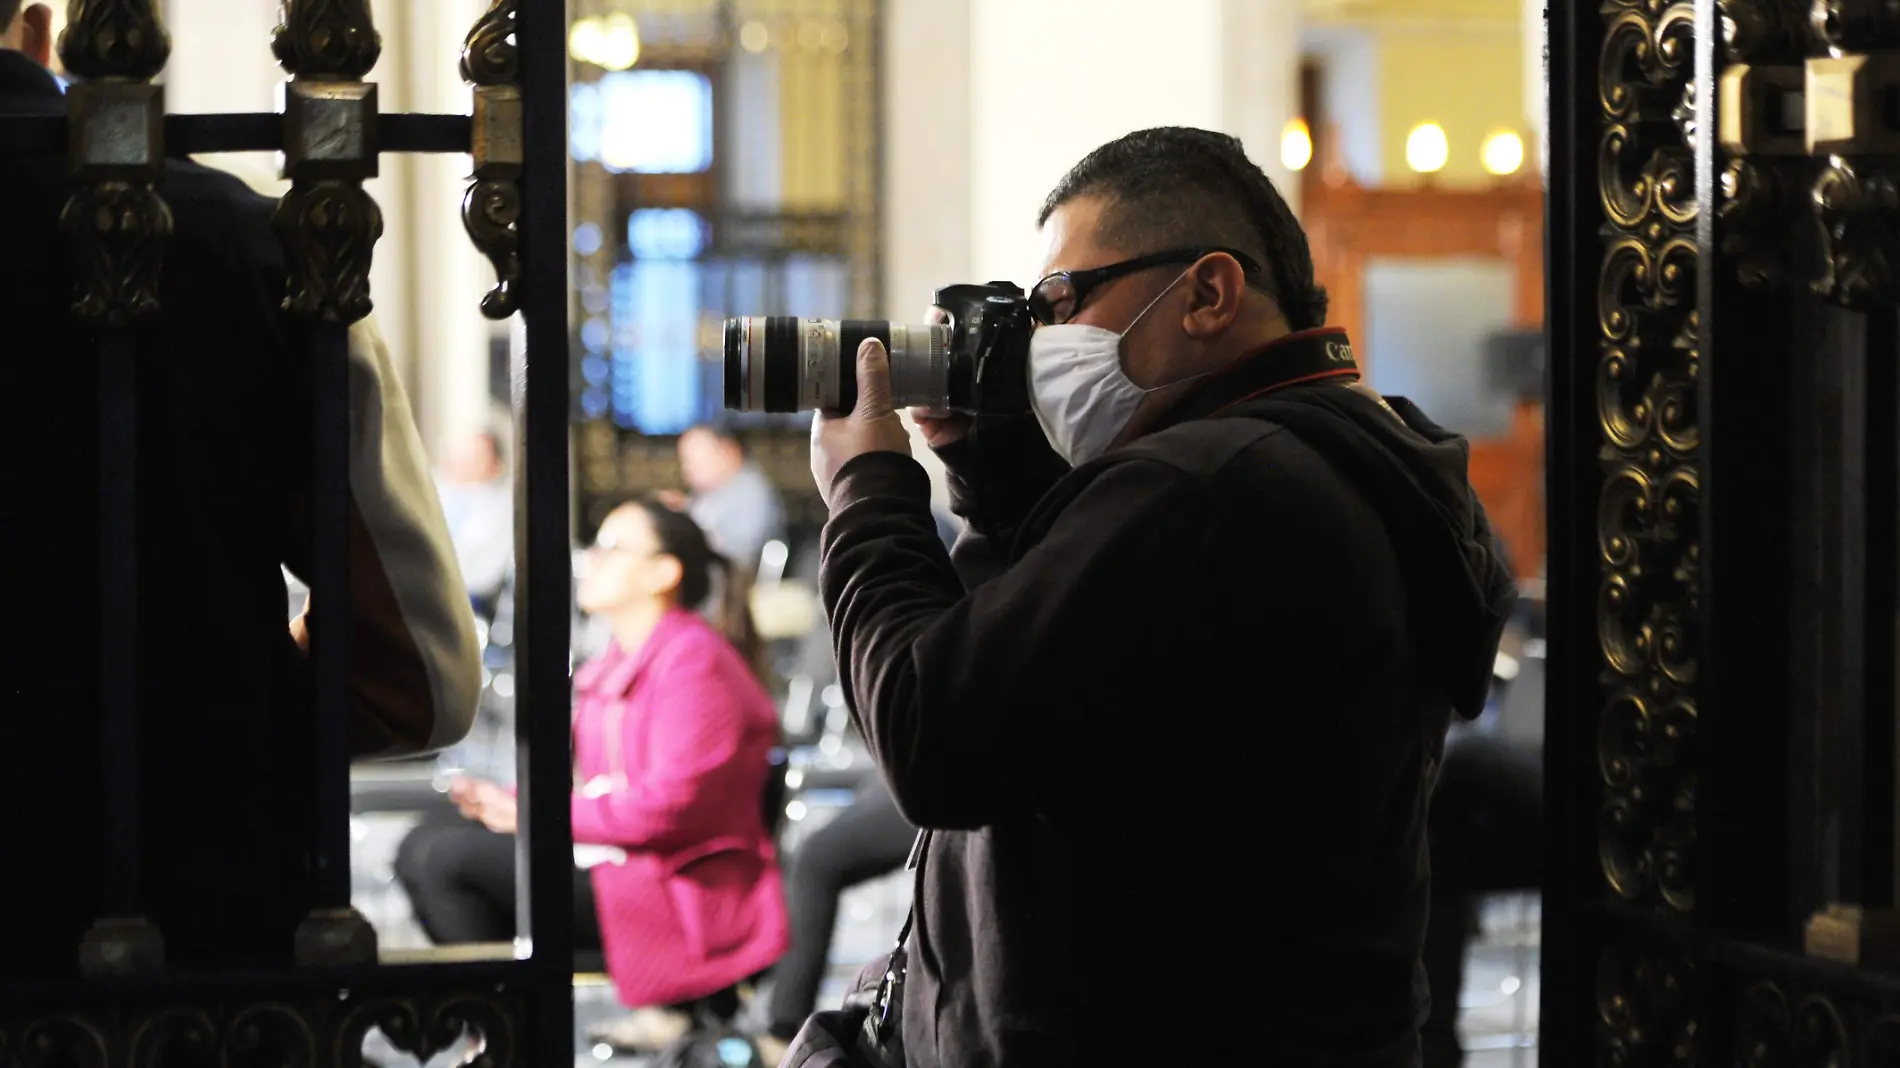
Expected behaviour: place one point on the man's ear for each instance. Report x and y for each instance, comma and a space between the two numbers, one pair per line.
1218, 282
37, 42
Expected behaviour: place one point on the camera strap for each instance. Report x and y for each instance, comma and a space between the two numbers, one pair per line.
1322, 355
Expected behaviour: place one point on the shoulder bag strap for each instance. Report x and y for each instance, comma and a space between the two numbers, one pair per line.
900, 957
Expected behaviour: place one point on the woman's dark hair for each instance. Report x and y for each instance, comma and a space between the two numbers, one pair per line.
681, 538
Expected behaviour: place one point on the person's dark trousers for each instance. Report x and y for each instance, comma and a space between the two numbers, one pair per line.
460, 877
864, 841
1487, 828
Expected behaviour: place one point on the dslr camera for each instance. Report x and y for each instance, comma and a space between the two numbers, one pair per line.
976, 363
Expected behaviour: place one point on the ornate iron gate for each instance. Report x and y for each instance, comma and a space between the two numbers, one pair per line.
116, 136
1725, 488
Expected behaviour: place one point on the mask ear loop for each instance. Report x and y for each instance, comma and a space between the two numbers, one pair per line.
1121, 350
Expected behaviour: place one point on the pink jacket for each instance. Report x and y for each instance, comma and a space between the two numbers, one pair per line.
671, 744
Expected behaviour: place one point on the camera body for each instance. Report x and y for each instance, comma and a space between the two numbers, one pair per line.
976, 363
989, 345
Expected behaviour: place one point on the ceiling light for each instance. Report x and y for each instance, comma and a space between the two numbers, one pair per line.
1503, 153
1426, 150
1296, 145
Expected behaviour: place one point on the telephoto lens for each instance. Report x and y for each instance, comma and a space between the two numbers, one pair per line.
778, 363
975, 361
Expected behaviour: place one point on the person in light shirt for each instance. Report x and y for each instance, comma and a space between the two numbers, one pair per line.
730, 497
479, 502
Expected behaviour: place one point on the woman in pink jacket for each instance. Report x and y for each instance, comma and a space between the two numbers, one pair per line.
672, 736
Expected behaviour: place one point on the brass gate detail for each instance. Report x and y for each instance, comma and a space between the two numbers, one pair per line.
1648, 443
1811, 137
1649, 337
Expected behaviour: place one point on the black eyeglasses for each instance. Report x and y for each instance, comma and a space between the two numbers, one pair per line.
1058, 297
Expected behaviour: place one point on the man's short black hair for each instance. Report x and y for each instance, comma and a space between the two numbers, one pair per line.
9, 10
1176, 187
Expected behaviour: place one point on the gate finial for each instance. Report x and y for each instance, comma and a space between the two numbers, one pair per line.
328, 224
491, 211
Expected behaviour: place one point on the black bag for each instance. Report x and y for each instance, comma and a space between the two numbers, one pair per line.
868, 1030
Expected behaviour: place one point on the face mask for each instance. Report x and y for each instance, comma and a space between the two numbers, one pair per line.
1077, 387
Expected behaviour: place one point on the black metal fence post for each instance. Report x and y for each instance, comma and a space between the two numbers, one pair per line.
543, 569
118, 225
329, 227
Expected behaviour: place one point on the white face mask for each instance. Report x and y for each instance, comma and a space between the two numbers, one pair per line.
1081, 395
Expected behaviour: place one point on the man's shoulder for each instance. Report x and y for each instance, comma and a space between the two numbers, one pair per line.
1204, 449
214, 205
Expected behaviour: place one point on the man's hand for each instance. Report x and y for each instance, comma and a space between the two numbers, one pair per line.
940, 428
871, 427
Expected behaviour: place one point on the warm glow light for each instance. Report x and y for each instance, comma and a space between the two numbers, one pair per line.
1503, 153
612, 43
754, 37
1426, 150
584, 40
1296, 145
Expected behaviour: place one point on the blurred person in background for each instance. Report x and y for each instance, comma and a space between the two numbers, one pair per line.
1207, 517
479, 501
224, 690
677, 876
866, 841
728, 494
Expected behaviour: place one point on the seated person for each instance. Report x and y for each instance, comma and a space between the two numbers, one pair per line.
672, 739
866, 841
728, 494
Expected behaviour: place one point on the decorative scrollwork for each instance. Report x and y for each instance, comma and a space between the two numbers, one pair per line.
328, 224
1647, 515
271, 1036
114, 39
1758, 196
327, 39
64, 1042
491, 211
485, 1023
489, 53
117, 232
116, 224
1855, 204
455, 1018
176, 1038
329, 231
1880, 1042
1854, 25
1645, 1007
1779, 1029
1763, 31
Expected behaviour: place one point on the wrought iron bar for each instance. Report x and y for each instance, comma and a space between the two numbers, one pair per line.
543, 582
189, 135
118, 226
329, 227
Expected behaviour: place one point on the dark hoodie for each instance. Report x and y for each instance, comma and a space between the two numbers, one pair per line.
1174, 717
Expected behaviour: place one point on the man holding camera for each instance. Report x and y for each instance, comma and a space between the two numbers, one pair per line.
1174, 714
